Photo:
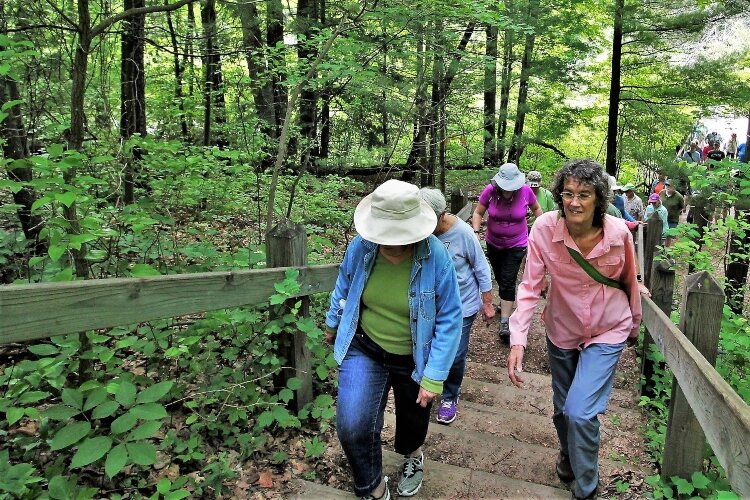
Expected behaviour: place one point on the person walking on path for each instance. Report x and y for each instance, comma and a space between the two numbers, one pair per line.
633, 204
593, 307
692, 155
506, 200
474, 284
543, 195
394, 320
654, 205
674, 202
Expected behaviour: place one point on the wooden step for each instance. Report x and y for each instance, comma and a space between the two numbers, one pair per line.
450, 481
498, 455
308, 490
509, 397
539, 383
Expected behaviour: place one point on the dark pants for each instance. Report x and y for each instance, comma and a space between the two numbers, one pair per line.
365, 378
505, 264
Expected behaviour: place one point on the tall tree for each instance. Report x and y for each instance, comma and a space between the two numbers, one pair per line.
132, 90
505, 83
213, 91
179, 68
614, 89
308, 102
490, 94
277, 66
516, 147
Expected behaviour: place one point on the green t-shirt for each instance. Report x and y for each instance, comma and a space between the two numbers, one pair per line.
546, 202
385, 305
673, 204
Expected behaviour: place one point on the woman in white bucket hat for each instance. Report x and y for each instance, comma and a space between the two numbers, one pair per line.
395, 320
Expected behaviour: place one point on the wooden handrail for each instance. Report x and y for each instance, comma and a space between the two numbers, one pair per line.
42, 310
721, 412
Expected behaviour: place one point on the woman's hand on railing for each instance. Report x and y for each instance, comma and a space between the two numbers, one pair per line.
643, 290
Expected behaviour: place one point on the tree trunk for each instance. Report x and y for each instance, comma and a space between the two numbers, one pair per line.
261, 85
277, 67
132, 91
614, 89
214, 82
326, 96
306, 17
490, 95
178, 70
189, 57
433, 117
15, 147
505, 79
516, 147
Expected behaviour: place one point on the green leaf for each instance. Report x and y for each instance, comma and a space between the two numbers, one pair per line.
105, 409
97, 397
163, 486
139, 270
13, 415
699, 480
32, 396
286, 395
40, 202
683, 486
145, 430
55, 150
265, 419
294, 383
43, 349
55, 252
72, 397
124, 423
125, 393
61, 412
142, 453
177, 495
90, 451
117, 458
149, 411
155, 392
67, 198
69, 435
59, 489
64, 275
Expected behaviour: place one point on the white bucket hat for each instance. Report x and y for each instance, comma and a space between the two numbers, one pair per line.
394, 214
509, 178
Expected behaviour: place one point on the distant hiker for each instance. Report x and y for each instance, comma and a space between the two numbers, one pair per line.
732, 146
715, 153
618, 200
654, 205
692, 155
394, 320
506, 199
543, 195
593, 307
658, 184
674, 202
474, 284
633, 204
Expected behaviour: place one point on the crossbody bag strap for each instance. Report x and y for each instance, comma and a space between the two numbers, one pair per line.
592, 271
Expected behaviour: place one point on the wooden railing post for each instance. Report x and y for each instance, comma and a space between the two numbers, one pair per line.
458, 200
700, 321
662, 293
286, 245
654, 229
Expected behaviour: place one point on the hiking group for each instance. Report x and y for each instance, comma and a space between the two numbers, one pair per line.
413, 281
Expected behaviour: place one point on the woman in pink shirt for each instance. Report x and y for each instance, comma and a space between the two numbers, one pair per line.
588, 322
506, 200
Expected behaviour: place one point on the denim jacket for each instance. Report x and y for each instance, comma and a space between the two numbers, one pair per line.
434, 304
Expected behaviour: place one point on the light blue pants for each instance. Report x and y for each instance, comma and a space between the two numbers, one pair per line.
452, 384
581, 386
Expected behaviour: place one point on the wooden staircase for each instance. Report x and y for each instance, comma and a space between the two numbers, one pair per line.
503, 443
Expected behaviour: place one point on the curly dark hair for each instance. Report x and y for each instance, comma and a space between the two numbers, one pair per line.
586, 171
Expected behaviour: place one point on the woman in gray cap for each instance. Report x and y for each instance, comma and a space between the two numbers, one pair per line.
506, 200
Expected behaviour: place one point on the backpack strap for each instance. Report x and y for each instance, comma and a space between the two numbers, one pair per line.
592, 271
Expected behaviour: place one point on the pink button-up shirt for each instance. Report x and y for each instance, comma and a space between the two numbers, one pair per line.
579, 311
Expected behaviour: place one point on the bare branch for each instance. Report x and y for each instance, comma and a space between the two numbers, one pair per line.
102, 26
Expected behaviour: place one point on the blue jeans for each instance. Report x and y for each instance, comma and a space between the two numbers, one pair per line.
581, 386
365, 377
452, 385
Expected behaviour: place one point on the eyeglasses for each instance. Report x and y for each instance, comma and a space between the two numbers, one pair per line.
582, 197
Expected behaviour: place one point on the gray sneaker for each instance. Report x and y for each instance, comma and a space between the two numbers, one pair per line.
412, 474
385, 496
504, 333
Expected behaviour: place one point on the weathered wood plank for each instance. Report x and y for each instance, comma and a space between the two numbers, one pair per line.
42, 310
652, 240
465, 213
723, 415
662, 293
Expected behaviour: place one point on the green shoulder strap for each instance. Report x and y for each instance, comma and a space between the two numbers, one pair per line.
591, 270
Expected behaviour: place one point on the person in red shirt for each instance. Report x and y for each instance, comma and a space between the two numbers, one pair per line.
587, 322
